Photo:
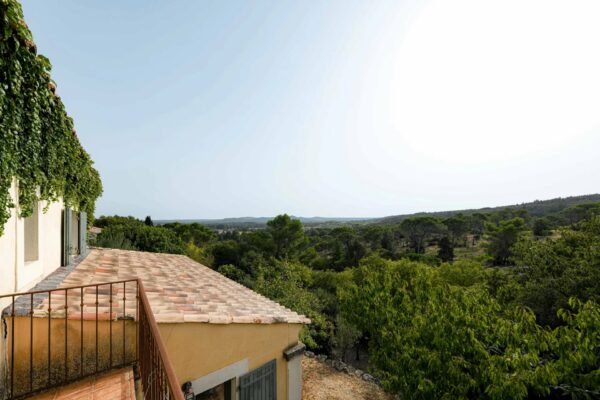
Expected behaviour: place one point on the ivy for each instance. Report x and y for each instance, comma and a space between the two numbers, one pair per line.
38, 143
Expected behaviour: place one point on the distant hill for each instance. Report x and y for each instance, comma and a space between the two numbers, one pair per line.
537, 208
249, 222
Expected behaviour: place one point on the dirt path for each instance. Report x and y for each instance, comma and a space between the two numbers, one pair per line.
322, 382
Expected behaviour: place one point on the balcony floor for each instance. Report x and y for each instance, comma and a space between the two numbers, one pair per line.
113, 385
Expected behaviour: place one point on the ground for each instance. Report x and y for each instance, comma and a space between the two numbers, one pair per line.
322, 382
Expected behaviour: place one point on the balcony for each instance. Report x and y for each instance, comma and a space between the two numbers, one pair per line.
91, 334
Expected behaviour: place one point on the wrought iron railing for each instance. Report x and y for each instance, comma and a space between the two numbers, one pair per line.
55, 337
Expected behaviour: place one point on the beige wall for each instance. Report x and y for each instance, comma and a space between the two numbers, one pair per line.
197, 349
15, 273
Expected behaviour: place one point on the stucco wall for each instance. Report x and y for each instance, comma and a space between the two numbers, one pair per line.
197, 349
16, 274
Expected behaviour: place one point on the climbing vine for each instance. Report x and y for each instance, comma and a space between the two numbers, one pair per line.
38, 143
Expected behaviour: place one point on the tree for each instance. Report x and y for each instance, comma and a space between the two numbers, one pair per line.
552, 271
501, 238
446, 249
348, 248
436, 333
477, 222
418, 230
148, 221
287, 234
541, 227
458, 226
346, 336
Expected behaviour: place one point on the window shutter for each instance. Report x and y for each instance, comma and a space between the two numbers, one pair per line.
260, 384
83, 249
66, 237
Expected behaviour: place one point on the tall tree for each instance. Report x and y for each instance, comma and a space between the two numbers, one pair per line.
458, 226
501, 239
148, 221
418, 230
287, 234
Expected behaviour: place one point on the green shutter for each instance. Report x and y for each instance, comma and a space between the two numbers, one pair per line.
83, 249
66, 237
260, 384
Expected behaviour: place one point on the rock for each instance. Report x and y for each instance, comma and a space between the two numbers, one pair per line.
322, 357
368, 378
309, 354
358, 373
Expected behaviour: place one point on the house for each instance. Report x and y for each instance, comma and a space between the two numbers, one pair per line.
110, 323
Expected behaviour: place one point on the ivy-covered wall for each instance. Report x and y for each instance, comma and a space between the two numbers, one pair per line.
38, 143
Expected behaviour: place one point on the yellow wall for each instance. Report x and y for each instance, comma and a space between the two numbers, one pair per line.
197, 349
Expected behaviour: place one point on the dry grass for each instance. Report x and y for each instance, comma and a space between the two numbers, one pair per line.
322, 382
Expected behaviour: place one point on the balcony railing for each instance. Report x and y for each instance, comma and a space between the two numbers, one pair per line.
55, 337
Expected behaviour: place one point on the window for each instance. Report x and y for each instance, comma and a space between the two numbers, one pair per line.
32, 241
260, 384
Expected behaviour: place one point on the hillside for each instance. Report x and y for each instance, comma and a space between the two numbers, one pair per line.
537, 208
259, 222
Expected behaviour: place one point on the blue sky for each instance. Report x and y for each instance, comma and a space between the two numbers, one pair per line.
338, 108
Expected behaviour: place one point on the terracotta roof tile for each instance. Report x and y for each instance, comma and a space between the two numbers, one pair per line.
178, 289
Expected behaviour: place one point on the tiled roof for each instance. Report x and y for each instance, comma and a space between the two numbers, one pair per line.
178, 289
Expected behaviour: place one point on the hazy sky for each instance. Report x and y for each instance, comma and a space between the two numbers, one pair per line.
197, 109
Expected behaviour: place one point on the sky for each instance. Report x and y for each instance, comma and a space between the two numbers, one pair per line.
211, 109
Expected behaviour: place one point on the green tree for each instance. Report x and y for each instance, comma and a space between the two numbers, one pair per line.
148, 221
541, 227
501, 238
446, 249
287, 234
458, 226
552, 271
418, 230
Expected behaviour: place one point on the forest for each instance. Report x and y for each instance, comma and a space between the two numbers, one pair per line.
496, 304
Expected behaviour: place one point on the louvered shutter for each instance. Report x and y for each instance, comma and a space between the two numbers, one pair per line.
66, 236
260, 384
83, 249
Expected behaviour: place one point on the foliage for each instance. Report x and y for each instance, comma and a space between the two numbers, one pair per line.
541, 227
446, 249
38, 144
502, 237
286, 283
433, 340
192, 233
552, 271
418, 230
131, 233
148, 221
287, 234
